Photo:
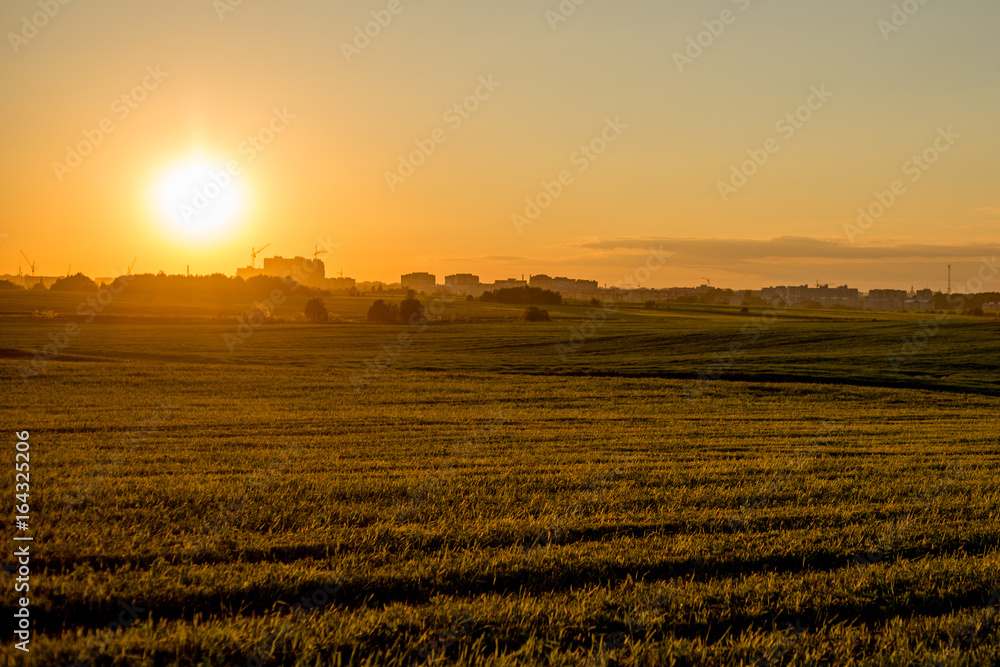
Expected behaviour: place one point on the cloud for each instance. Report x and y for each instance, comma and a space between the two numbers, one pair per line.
726, 252
489, 258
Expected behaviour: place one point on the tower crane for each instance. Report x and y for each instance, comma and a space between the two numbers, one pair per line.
254, 252
31, 264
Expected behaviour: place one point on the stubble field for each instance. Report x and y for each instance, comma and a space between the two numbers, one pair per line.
691, 486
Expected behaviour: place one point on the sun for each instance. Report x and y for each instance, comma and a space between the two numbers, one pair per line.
199, 198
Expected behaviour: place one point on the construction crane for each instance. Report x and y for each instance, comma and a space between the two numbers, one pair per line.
708, 281
318, 252
131, 266
31, 264
254, 252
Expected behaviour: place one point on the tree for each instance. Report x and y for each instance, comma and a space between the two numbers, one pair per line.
316, 311
523, 295
383, 312
535, 314
411, 311
77, 283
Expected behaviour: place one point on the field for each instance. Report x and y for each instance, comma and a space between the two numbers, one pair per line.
688, 485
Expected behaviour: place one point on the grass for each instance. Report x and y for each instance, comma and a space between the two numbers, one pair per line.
484, 499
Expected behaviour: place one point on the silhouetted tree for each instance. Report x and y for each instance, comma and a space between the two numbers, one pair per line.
523, 295
316, 311
383, 312
77, 283
535, 314
6, 284
411, 310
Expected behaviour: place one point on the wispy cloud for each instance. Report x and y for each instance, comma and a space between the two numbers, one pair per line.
730, 251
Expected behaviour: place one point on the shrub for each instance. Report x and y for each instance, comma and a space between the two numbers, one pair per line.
6, 284
650, 305
523, 295
316, 311
596, 303
411, 310
77, 283
383, 312
535, 314
744, 311
38, 286
257, 314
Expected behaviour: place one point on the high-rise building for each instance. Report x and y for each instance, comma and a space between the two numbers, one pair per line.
310, 272
419, 282
464, 283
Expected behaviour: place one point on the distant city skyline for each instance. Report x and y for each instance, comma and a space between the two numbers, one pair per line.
645, 274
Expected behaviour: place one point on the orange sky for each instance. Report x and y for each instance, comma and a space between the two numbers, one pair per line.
672, 119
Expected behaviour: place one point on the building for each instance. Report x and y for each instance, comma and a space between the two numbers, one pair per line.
309, 272
419, 282
918, 306
803, 295
570, 288
891, 300
509, 283
341, 284
464, 283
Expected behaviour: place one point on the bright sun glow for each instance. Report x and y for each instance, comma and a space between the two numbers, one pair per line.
199, 198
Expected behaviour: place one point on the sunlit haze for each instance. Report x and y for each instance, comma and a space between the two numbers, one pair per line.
504, 139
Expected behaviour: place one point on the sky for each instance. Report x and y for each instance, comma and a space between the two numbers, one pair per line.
744, 140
